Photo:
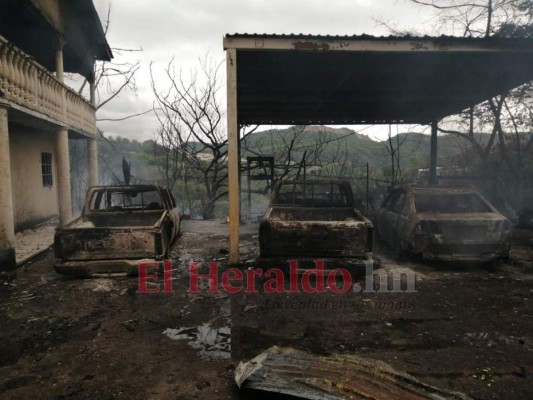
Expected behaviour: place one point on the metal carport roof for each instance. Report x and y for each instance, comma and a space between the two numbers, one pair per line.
309, 79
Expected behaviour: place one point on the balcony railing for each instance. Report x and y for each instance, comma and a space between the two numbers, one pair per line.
28, 84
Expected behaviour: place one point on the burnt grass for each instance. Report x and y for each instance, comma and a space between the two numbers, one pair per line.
467, 328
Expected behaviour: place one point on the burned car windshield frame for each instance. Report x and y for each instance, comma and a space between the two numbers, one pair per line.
450, 203
300, 194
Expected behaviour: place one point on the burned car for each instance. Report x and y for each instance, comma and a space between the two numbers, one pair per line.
443, 223
315, 219
120, 227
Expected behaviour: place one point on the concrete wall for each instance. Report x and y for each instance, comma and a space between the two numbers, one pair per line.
32, 202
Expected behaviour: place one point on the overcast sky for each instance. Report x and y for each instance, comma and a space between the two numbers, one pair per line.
188, 29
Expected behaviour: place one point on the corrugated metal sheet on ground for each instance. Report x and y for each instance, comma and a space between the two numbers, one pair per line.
308, 376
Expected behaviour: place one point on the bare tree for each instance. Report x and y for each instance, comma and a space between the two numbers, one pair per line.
393, 146
113, 77
170, 152
192, 129
478, 18
501, 153
499, 132
301, 149
110, 79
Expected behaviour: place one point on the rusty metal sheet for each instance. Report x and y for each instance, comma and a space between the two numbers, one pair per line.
307, 376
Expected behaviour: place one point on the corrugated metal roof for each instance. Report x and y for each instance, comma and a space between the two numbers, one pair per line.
492, 39
367, 79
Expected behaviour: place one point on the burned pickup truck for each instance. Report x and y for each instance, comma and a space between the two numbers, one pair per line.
120, 227
315, 219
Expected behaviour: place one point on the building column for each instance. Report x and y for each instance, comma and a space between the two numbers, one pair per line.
233, 156
7, 224
433, 154
59, 60
63, 176
92, 161
92, 144
92, 93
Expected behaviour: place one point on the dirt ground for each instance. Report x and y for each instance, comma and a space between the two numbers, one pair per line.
466, 328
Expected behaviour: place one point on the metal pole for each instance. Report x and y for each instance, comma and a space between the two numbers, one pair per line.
367, 187
240, 169
249, 166
433, 154
272, 180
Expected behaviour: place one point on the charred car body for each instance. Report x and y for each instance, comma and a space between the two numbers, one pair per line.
120, 227
443, 223
315, 219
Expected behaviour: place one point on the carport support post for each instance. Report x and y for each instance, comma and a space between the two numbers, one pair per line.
233, 156
433, 154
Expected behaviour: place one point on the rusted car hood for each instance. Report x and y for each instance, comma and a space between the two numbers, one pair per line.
463, 217
279, 224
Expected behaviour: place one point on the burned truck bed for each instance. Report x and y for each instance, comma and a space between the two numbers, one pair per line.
120, 227
315, 219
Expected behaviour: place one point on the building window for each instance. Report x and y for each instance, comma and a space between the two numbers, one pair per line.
46, 168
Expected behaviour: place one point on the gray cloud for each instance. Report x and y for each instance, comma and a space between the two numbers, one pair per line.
188, 29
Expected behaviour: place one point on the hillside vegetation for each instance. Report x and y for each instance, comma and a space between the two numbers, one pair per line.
339, 152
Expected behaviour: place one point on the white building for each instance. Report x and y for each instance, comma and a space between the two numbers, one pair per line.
40, 40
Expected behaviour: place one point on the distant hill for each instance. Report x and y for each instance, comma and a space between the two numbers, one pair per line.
414, 150
359, 148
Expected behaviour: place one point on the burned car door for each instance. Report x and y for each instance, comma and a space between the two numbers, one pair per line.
390, 216
402, 209
384, 217
173, 211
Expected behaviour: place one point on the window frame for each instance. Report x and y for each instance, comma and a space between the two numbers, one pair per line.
47, 172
